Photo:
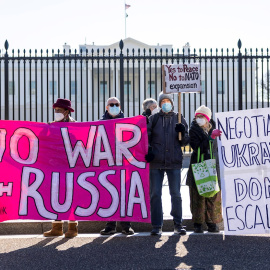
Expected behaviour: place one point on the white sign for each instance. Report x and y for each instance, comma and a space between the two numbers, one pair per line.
244, 157
182, 78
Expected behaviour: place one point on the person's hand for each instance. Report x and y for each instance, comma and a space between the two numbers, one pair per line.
150, 155
216, 133
179, 127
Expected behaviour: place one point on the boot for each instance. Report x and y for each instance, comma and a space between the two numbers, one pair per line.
212, 227
198, 228
57, 229
72, 229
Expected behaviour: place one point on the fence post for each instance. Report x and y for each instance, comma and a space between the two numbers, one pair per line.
6, 83
240, 85
121, 45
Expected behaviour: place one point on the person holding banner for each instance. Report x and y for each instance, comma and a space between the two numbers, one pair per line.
149, 107
165, 156
113, 111
62, 112
204, 209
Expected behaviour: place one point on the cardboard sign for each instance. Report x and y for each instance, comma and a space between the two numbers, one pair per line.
181, 78
244, 157
74, 171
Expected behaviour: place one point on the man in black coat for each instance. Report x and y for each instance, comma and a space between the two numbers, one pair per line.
165, 155
113, 111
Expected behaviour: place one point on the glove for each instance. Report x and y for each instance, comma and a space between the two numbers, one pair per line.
180, 128
150, 155
216, 133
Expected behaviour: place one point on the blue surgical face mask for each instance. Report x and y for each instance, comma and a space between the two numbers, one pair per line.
114, 110
166, 107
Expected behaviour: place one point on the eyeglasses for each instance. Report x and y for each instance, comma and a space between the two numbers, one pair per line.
112, 104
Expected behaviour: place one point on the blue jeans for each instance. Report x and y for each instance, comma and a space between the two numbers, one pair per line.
156, 179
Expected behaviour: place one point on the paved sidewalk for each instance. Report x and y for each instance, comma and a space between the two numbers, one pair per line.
140, 251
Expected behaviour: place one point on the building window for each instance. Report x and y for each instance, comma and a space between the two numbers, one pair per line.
53, 87
243, 87
151, 89
10, 88
33, 87
73, 87
127, 88
103, 90
220, 87
202, 87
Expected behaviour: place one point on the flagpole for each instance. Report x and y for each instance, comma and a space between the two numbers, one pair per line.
125, 21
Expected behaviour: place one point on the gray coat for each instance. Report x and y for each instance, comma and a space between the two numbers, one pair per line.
164, 140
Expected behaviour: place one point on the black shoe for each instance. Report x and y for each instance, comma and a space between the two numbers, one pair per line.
128, 231
198, 228
156, 231
212, 227
179, 229
108, 231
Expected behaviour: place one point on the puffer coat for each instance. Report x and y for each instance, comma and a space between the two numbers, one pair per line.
164, 140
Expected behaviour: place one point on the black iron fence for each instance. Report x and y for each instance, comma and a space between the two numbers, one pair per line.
31, 82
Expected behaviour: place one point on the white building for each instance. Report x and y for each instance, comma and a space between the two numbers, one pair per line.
90, 77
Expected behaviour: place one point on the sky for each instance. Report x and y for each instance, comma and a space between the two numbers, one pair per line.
39, 24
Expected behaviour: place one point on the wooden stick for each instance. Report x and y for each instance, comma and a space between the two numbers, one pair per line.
163, 80
179, 114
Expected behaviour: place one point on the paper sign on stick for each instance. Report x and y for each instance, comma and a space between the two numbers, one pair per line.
74, 171
181, 78
244, 157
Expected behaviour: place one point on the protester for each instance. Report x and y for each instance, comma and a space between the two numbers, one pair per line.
149, 107
165, 155
113, 111
62, 111
202, 130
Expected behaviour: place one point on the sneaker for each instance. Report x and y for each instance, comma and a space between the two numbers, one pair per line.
212, 227
156, 231
179, 229
198, 228
128, 231
108, 231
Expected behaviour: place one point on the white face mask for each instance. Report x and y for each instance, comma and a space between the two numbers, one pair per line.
114, 110
58, 117
156, 110
200, 121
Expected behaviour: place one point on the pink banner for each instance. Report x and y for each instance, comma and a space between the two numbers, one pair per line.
74, 171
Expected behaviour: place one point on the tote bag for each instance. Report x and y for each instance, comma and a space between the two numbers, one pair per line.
205, 175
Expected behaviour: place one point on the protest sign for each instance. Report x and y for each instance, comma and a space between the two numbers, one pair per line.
181, 78
244, 157
74, 171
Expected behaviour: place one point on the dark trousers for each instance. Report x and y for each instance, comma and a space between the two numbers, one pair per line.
174, 180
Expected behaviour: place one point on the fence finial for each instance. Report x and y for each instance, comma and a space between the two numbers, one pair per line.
6, 45
239, 44
121, 44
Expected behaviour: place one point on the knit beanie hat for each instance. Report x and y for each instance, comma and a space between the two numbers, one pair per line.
163, 96
205, 111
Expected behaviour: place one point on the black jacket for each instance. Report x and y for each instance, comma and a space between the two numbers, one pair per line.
107, 116
164, 140
198, 138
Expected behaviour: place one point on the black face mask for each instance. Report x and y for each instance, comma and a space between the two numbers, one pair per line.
148, 112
